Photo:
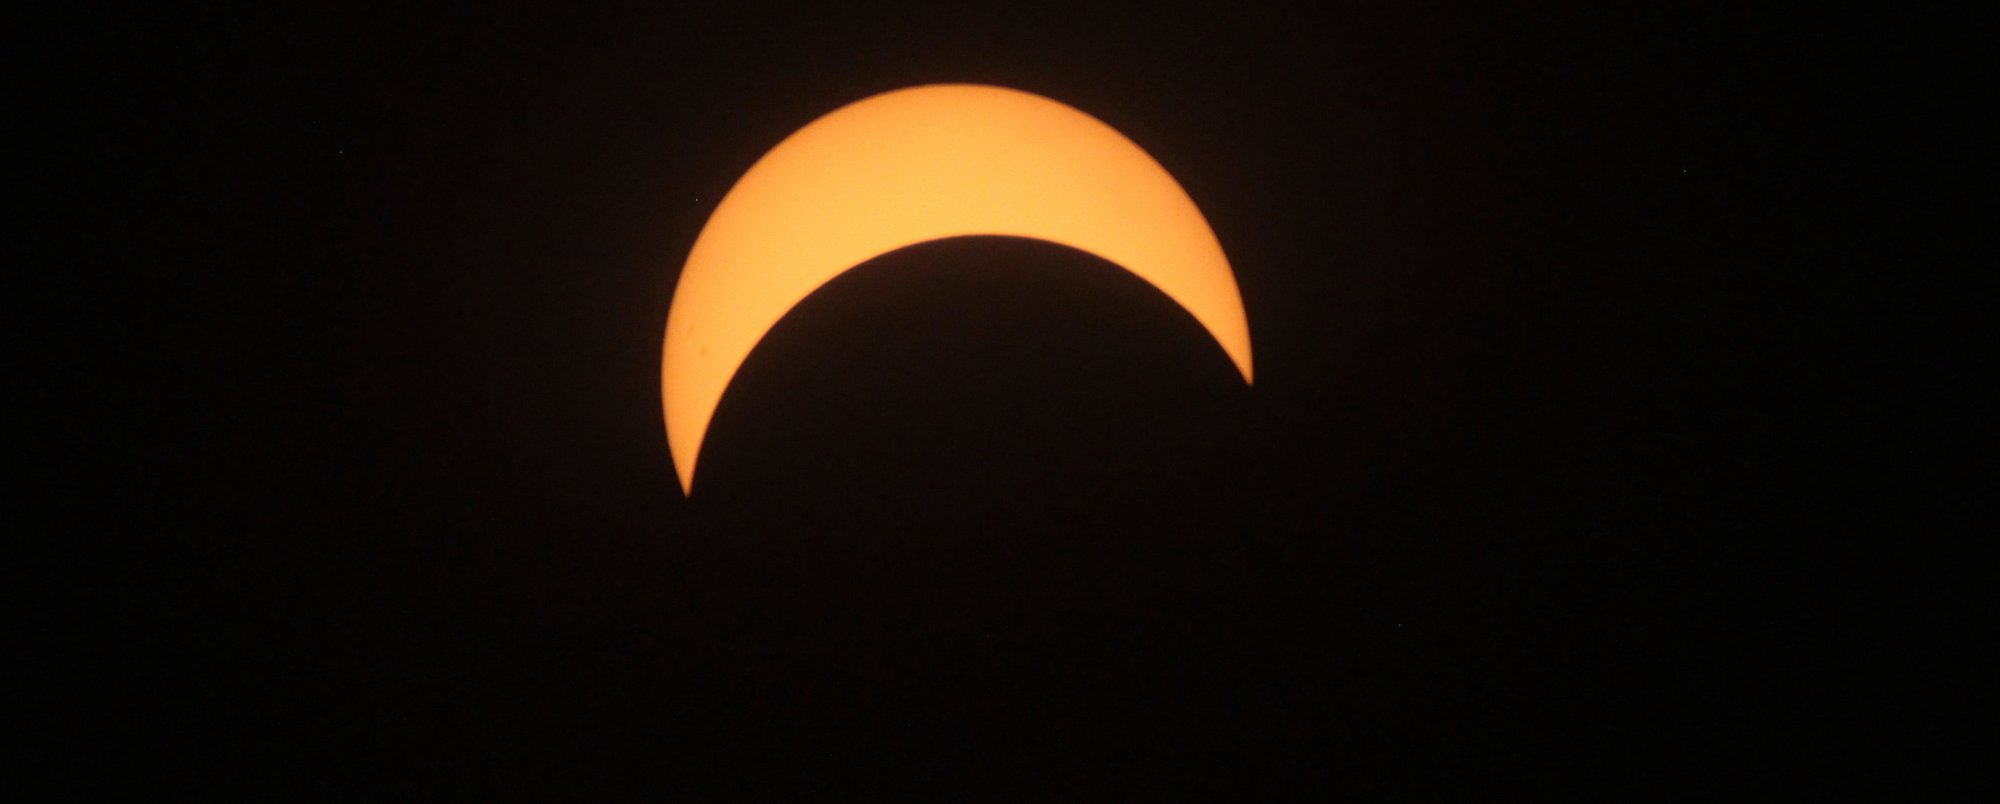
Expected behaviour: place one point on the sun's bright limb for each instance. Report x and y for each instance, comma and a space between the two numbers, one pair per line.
916, 165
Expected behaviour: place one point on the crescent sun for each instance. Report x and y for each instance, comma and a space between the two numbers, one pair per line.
910, 166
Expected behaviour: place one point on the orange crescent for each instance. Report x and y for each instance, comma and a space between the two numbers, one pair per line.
914, 165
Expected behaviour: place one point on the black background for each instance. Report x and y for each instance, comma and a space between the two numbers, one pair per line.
1597, 354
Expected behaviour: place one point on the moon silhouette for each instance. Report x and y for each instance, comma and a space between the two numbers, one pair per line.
910, 166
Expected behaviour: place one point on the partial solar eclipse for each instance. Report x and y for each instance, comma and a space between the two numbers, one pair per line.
915, 165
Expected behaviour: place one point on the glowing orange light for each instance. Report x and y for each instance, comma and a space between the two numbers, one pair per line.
915, 165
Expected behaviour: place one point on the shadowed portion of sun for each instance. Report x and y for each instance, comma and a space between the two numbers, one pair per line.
915, 165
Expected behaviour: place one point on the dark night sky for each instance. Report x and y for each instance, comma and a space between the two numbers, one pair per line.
1597, 355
